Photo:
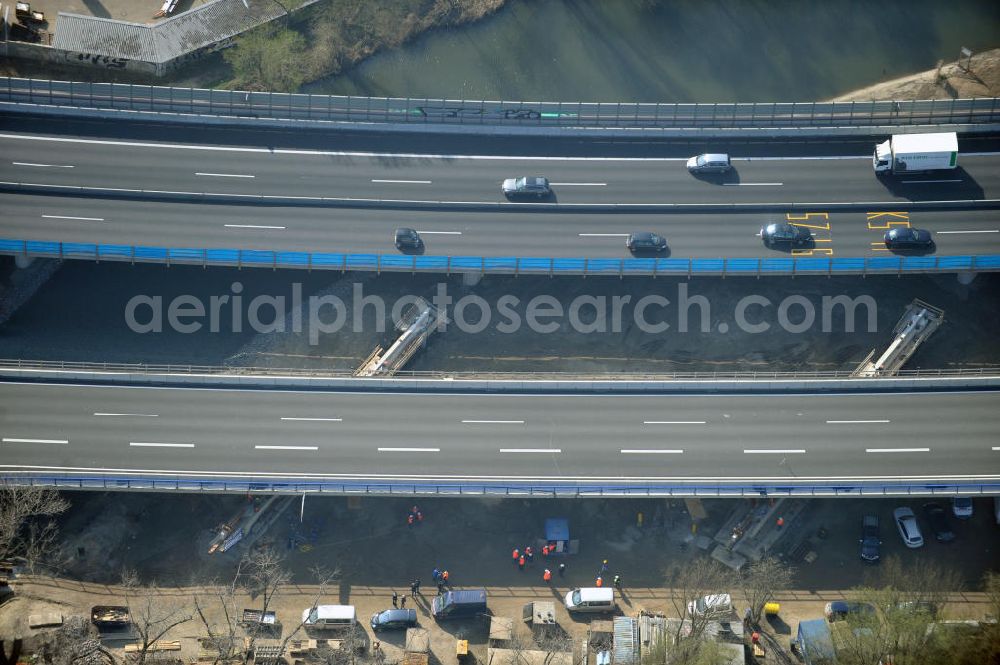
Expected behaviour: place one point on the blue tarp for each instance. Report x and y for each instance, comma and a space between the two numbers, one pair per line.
816, 642
556, 528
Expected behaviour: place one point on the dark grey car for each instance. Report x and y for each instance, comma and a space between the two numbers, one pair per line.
394, 619
908, 238
646, 242
407, 239
783, 233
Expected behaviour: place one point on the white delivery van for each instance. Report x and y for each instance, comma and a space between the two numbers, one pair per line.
329, 617
591, 599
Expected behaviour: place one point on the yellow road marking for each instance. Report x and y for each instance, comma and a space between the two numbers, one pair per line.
824, 215
812, 252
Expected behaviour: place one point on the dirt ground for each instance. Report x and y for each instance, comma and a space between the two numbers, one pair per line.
59, 324
980, 79
164, 537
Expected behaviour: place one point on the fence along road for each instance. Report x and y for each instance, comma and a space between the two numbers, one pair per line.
647, 443
397, 110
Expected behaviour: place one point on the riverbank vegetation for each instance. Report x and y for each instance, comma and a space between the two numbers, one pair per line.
330, 36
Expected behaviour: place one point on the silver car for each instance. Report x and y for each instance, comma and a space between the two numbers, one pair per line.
526, 187
709, 163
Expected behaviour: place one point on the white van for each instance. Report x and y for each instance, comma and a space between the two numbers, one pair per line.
719, 604
329, 617
591, 599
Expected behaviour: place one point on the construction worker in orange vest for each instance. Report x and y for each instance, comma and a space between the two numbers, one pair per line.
409, 520
520, 562
547, 575
444, 577
515, 555
599, 582
545, 550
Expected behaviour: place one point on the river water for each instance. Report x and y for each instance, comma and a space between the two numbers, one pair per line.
676, 50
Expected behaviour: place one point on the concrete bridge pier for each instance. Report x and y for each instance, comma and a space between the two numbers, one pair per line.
22, 261
471, 278
965, 278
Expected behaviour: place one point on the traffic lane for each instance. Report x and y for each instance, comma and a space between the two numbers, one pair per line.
541, 234
524, 436
234, 170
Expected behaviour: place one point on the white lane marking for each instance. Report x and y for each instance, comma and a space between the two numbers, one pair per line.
921, 182
673, 422
403, 182
753, 184
287, 447
603, 235
12, 440
225, 175
897, 450
328, 420
409, 450
650, 451
493, 422
128, 415
150, 444
253, 226
579, 184
996, 447
84, 219
954, 232
531, 450
764, 451
440, 233
48, 166
853, 422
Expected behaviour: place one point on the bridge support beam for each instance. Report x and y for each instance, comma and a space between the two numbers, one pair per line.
471, 278
22, 261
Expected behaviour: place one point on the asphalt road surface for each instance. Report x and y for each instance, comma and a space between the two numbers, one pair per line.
933, 437
523, 234
146, 165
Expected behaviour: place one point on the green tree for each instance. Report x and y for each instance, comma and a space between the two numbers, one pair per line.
270, 59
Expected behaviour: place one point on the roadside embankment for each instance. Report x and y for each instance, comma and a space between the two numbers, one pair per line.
950, 81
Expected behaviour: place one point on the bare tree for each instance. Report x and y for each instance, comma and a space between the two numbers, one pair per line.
73, 643
760, 581
153, 614
698, 578
27, 524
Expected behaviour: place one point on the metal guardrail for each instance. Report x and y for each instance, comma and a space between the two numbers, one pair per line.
666, 488
501, 265
408, 110
220, 370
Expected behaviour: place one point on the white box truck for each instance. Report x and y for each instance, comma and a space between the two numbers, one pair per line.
910, 153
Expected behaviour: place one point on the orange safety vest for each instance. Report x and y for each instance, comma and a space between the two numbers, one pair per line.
547, 575
545, 550
444, 576
515, 554
520, 561
409, 519
599, 582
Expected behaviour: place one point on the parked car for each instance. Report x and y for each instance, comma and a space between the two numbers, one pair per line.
840, 610
407, 239
961, 507
909, 530
715, 605
526, 187
394, 619
908, 238
938, 519
918, 607
783, 233
870, 541
646, 242
709, 163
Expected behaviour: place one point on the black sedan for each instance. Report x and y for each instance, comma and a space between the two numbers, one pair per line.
908, 238
526, 187
783, 233
938, 519
646, 242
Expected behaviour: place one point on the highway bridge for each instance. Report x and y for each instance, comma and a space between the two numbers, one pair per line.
473, 442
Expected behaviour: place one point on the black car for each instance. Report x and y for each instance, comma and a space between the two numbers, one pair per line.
938, 519
870, 541
783, 233
907, 238
394, 619
526, 187
648, 242
840, 610
408, 239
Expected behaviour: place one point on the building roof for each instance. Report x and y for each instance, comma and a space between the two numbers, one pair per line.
208, 24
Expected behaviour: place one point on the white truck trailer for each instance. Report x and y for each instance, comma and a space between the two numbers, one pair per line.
912, 153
